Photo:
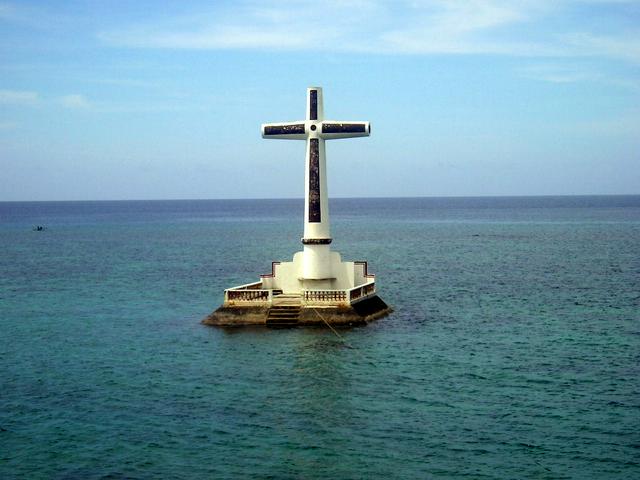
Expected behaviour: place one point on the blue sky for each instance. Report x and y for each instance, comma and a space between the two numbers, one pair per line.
164, 100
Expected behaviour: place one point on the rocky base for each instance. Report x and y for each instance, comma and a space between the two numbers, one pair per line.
358, 314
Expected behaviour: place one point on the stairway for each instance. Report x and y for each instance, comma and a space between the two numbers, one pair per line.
285, 311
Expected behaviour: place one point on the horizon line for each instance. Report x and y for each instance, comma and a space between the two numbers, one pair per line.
331, 198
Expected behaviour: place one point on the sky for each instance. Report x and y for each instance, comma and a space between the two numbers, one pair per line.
164, 100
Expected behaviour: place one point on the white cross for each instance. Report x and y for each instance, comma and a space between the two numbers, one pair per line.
315, 130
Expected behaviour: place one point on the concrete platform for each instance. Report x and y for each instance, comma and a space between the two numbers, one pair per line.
359, 313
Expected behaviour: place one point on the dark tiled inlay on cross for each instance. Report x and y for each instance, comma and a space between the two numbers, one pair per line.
314, 180
344, 128
313, 105
284, 129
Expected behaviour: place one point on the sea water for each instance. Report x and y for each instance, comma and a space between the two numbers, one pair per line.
513, 351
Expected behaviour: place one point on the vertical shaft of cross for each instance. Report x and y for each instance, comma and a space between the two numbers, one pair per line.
316, 219
317, 234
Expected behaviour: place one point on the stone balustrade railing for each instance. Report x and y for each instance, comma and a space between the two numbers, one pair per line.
250, 293
325, 296
362, 291
253, 294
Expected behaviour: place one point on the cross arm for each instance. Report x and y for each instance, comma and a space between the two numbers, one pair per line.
332, 129
289, 131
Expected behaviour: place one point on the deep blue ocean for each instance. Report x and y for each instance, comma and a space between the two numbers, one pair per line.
513, 351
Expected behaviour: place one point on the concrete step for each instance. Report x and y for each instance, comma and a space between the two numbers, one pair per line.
287, 302
283, 315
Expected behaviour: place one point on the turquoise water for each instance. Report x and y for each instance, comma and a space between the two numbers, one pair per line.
514, 350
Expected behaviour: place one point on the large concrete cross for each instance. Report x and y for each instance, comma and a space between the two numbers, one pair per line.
315, 130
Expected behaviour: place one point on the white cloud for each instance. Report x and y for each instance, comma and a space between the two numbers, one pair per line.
75, 100
18, 97
518, 27
623, 46
451, 28
558, 74
355, 26
124, 82
263, 27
